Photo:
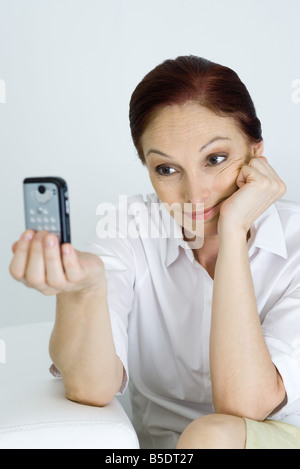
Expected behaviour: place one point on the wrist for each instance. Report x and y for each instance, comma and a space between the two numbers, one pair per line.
228, 231
84, 294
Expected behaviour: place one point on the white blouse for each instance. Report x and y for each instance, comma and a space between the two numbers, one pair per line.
160, 302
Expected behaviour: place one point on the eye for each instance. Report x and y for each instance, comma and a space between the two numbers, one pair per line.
215, 160
165, 170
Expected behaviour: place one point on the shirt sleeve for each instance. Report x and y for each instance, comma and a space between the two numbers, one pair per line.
281, 329
117, 254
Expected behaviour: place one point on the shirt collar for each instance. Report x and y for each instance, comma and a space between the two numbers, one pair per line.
266, 233
174, 238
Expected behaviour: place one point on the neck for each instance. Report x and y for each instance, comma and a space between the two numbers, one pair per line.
207, 254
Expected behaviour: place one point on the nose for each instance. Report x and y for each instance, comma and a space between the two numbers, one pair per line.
195, 189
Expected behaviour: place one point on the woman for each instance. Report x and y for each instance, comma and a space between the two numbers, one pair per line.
206, 326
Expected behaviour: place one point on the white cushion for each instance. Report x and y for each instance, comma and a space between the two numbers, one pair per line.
34, 412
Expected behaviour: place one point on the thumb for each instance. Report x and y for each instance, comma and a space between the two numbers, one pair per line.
246, 175
241, 179
14, 247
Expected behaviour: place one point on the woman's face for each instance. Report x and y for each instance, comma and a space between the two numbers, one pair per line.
194, 157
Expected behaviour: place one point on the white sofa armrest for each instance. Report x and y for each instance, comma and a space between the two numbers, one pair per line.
34, 412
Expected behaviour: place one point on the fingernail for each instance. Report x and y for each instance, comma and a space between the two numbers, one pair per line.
51, 241
27, 236
66, 249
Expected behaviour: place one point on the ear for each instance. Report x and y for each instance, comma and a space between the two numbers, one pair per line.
258, 149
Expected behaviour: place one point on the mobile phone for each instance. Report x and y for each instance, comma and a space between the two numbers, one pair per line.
46, 203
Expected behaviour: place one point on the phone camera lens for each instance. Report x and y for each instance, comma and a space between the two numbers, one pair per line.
42, 189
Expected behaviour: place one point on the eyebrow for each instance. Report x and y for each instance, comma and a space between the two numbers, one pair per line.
158, 153
215, 139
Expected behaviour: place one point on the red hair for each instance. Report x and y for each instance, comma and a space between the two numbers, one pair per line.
191, 78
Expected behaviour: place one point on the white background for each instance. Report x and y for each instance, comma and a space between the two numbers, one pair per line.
70, 67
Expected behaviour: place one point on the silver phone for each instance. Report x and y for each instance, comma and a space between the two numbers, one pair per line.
46, 203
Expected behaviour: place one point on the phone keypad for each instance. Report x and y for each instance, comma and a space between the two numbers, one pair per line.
41, 220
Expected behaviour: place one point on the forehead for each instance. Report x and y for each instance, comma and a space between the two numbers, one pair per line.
188, 122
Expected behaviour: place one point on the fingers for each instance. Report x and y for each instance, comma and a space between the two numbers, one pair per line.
263, 166
264, 158
35, 274
14, 247
71, 264
41, 263
53, 268
247, 174
19, 262
259, 171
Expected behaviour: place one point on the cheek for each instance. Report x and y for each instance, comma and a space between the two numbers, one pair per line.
224, 180
228, 174
166, 192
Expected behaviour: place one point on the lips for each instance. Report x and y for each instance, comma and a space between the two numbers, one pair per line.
204, 214
206, 210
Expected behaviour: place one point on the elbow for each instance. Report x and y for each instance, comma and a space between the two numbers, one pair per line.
98, 398
93, 394
95, 391
257, 408
244, 411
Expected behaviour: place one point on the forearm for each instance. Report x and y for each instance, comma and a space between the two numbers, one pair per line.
244, 380
82, 348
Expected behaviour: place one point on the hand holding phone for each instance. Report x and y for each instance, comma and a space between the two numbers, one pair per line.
43, 257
